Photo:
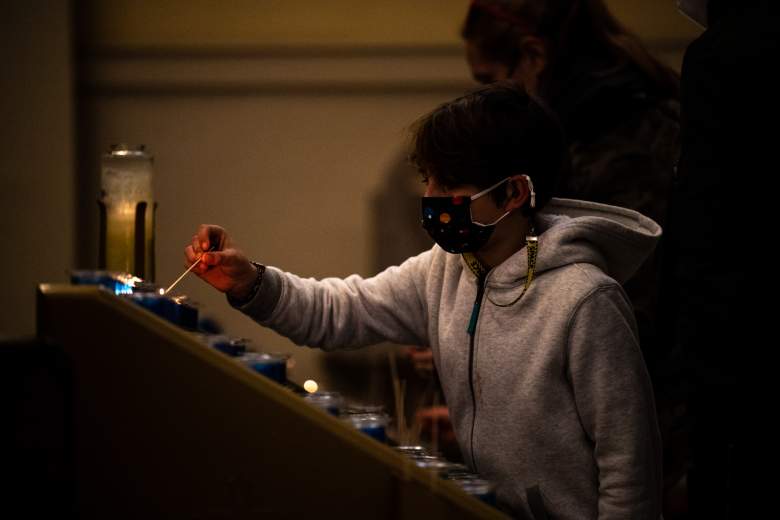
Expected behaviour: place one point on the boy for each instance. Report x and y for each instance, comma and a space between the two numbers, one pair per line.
532, 335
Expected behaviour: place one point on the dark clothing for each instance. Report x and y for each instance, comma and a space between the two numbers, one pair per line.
729, 116
624, 143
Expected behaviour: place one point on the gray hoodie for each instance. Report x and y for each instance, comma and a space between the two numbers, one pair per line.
552, 391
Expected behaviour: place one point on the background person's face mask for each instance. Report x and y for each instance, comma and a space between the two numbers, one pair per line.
448, 221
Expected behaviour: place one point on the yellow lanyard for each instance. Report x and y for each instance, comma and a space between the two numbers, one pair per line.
476, 267
480, 271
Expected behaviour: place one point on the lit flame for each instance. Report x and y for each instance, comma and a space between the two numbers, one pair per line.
310, 386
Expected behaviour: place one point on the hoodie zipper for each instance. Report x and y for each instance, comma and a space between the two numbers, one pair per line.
472, 328
481, 273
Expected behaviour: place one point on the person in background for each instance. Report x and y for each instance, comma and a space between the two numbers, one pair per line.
520, 299
730, 107
618, 106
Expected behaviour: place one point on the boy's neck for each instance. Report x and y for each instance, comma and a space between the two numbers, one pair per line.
507, 239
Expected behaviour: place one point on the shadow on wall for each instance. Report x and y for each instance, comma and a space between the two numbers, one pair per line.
398, 234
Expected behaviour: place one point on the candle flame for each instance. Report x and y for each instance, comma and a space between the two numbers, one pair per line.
310, 386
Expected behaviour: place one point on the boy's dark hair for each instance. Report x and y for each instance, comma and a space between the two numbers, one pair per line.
487, 135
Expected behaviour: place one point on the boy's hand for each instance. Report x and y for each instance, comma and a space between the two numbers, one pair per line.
224, 267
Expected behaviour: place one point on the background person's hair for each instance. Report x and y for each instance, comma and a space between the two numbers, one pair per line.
571, 30
489, 134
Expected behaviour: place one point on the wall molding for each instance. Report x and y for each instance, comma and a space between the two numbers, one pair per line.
290, 71
312, 71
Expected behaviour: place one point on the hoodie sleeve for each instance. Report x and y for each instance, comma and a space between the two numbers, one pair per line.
336, 313
614, 399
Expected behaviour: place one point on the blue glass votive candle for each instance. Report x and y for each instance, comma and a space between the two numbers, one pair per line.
331, 402
478, 488
372, 424
234, 347
181, 313
433, 464
412, 451
358, 408
151, 302
273, 366
458, 471
117, 283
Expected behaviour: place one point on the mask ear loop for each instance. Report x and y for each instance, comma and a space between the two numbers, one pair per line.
530, 184
532, 250
480, 194
489, 189
531, 189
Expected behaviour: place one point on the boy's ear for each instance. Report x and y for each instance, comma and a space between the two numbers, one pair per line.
517, 192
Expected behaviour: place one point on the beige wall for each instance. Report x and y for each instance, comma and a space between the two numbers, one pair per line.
277, 119
36, 162
290, 174
198, 23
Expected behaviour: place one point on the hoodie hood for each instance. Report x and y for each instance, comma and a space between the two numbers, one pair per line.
614, 239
